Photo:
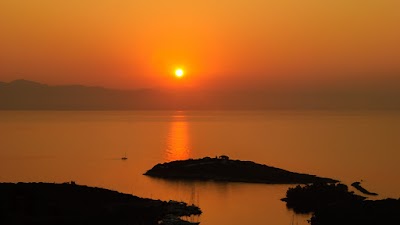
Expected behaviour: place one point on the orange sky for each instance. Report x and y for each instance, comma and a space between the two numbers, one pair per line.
133, 44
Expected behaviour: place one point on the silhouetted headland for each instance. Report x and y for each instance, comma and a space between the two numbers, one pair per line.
68, 203
309, 198
357, 185
224, 169
334, 204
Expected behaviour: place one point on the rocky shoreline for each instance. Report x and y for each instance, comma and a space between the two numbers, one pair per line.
357, 185
71, 204
332, 204
224, 169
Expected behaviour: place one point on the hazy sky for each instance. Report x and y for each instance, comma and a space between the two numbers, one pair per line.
224, 43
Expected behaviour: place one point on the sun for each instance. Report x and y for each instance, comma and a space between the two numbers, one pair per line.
179, 73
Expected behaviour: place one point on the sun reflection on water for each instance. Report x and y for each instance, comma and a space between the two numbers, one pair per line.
178, 145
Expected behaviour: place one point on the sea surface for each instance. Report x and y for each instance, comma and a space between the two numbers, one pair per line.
87, 146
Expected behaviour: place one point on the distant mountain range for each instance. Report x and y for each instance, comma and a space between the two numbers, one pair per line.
29, 95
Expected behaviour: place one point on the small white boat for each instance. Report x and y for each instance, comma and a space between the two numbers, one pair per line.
124, 158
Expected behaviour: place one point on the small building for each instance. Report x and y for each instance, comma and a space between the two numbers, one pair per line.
223, 157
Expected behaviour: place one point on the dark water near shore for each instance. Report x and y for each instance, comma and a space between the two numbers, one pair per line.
87, 146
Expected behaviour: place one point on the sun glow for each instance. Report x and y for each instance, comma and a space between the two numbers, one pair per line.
179, 73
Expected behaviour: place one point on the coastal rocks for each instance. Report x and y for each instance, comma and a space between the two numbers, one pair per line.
333, 204
69, 203
175, 210
368, 212
357, 185
309, 198
224, 169
173, 220
182, 209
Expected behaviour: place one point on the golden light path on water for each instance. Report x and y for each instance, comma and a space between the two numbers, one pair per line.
178, 142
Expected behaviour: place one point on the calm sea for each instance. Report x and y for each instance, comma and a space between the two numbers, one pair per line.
86, 147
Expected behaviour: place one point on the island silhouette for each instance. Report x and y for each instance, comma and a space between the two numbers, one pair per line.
223, 168
332, 204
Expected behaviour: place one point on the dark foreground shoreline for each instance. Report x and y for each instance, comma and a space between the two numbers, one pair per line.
71, 204
224, 169
333, 204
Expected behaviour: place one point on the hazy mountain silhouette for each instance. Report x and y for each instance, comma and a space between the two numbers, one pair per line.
29, 95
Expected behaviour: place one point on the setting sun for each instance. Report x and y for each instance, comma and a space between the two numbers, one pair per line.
179, 73
204, 102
